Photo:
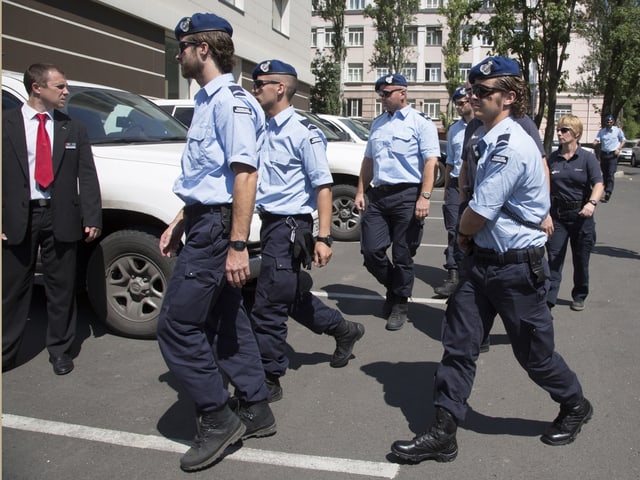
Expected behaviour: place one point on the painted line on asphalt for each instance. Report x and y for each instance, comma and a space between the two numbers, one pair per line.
152, 442
354, 296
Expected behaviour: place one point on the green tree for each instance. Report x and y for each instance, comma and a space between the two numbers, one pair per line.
326, 94
390, 17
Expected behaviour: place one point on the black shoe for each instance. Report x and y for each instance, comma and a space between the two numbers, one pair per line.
273, 384
398, 315
439, 443
346, 337
485, 346
449, 285
258, 418
605, 199
568, 423
388, 304
577, 305
62, 364
216, 431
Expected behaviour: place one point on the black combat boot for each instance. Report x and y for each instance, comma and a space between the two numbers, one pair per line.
346, 335
568, 423
388, 304
439, 443
216, 431
273, 385
258, 418
449, 285
398, 314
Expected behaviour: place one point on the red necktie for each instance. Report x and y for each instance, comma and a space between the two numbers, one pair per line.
44, 164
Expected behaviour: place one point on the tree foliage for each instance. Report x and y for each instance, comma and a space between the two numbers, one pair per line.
392, 45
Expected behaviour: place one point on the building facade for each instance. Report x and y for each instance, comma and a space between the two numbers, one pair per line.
425, 66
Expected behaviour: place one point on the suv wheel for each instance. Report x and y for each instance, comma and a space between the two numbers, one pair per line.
127, 279
345, 217
441, 170
634, 160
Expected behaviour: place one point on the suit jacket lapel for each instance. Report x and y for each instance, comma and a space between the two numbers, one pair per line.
60, 136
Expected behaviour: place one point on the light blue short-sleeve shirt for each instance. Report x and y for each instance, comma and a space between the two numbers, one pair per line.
610, 138
455, 141
510, 173
399, 145
227, 127
293, 163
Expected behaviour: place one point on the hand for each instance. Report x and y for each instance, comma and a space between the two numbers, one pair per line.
547, 225
464, 242
4, 237
587, 210
322, 254
170, 239
359, 201
237, 268
91, 233
422, 208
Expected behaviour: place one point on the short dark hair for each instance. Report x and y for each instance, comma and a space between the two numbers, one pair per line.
221, 47
38, 73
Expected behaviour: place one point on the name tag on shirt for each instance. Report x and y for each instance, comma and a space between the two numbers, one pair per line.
315, 140
243, 110
499, 159
69, 146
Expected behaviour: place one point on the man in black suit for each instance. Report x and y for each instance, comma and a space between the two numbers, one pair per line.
50, 200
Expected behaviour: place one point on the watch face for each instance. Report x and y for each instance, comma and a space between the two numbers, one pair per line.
426, 195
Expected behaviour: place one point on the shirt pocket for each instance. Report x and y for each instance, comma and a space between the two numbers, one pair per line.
402, 143
199, 140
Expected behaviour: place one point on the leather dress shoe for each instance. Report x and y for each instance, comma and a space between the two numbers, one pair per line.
62, 364
568, 423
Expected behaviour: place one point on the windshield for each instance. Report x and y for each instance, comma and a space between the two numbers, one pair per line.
357, 127
114, 116
331, 135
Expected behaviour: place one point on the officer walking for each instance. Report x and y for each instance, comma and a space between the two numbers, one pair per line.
505, 272
451, 205
203, 329
397, 175
611, 140
294, 180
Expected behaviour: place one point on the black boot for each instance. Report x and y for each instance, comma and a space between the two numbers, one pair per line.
388, 304
216, 431
568, 423
439, 443
273, 385
449, 285
346, 335
398, 314
258, 418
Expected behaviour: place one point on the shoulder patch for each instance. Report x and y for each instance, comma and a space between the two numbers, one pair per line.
499, 158
315, 140
242, 110
237, 91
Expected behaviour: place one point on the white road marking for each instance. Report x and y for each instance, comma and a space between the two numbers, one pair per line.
135, 440
354, 296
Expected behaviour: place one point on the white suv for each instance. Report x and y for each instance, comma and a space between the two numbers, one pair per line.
137, 149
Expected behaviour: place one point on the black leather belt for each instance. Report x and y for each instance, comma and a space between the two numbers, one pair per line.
396, 187
200, 208
40, 202
491, 257
568, 205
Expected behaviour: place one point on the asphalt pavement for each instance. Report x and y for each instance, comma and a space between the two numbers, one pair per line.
121, 415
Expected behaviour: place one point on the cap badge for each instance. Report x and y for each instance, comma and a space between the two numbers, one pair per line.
486, 68
185, 25
389, 79
265, 66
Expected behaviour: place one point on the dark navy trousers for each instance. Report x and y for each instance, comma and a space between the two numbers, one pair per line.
569, 227
203, 329
608, 165
451, 215
512, 292
282, 292
389, 220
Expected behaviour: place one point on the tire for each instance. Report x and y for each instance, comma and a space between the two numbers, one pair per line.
634, 160
345, 217
439, 176
127, 279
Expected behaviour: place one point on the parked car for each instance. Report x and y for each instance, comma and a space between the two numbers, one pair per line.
182, 109
357, 132
626, 151
635, 154
137, 149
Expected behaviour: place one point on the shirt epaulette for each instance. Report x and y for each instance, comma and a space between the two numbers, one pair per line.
424, 115
237, 91
308, 124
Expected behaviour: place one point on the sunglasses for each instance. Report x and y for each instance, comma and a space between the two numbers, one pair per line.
388, 93
563, 129
482, 91
257, 84
461, 104
184, 45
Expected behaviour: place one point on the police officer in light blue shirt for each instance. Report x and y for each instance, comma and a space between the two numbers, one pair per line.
397, 177
504, 273
611, 140
203, 328
294, 180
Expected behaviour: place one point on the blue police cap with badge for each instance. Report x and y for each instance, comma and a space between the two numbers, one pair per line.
391, 79
494, 67
273, 67
459, 93
202, 22
609, 118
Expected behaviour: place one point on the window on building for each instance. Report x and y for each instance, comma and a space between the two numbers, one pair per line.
434, 36
432, 72
431, 3
328, 38
355, 37
379, 109
562, 110
486, 41
354, 107
354, 72
412, 34
465, 35
488, 5
314, 37
356, 4
321, 5
239, 4
280, 13
410, 71
381, 71
463, 70
431, 108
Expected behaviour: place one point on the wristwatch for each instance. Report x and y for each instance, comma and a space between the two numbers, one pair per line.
593, 202
426, 195
238, 245
328, 240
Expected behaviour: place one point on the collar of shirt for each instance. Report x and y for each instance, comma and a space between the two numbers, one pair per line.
403, 112
214, 85
283, 116
30, 113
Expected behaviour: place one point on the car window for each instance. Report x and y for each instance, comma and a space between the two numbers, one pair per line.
330, 134
358, 128
114, 116
184, 114
10, 101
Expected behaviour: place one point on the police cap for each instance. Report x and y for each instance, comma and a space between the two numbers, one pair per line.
391, 79
459, 93
202, 22
494, 67
273, 67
